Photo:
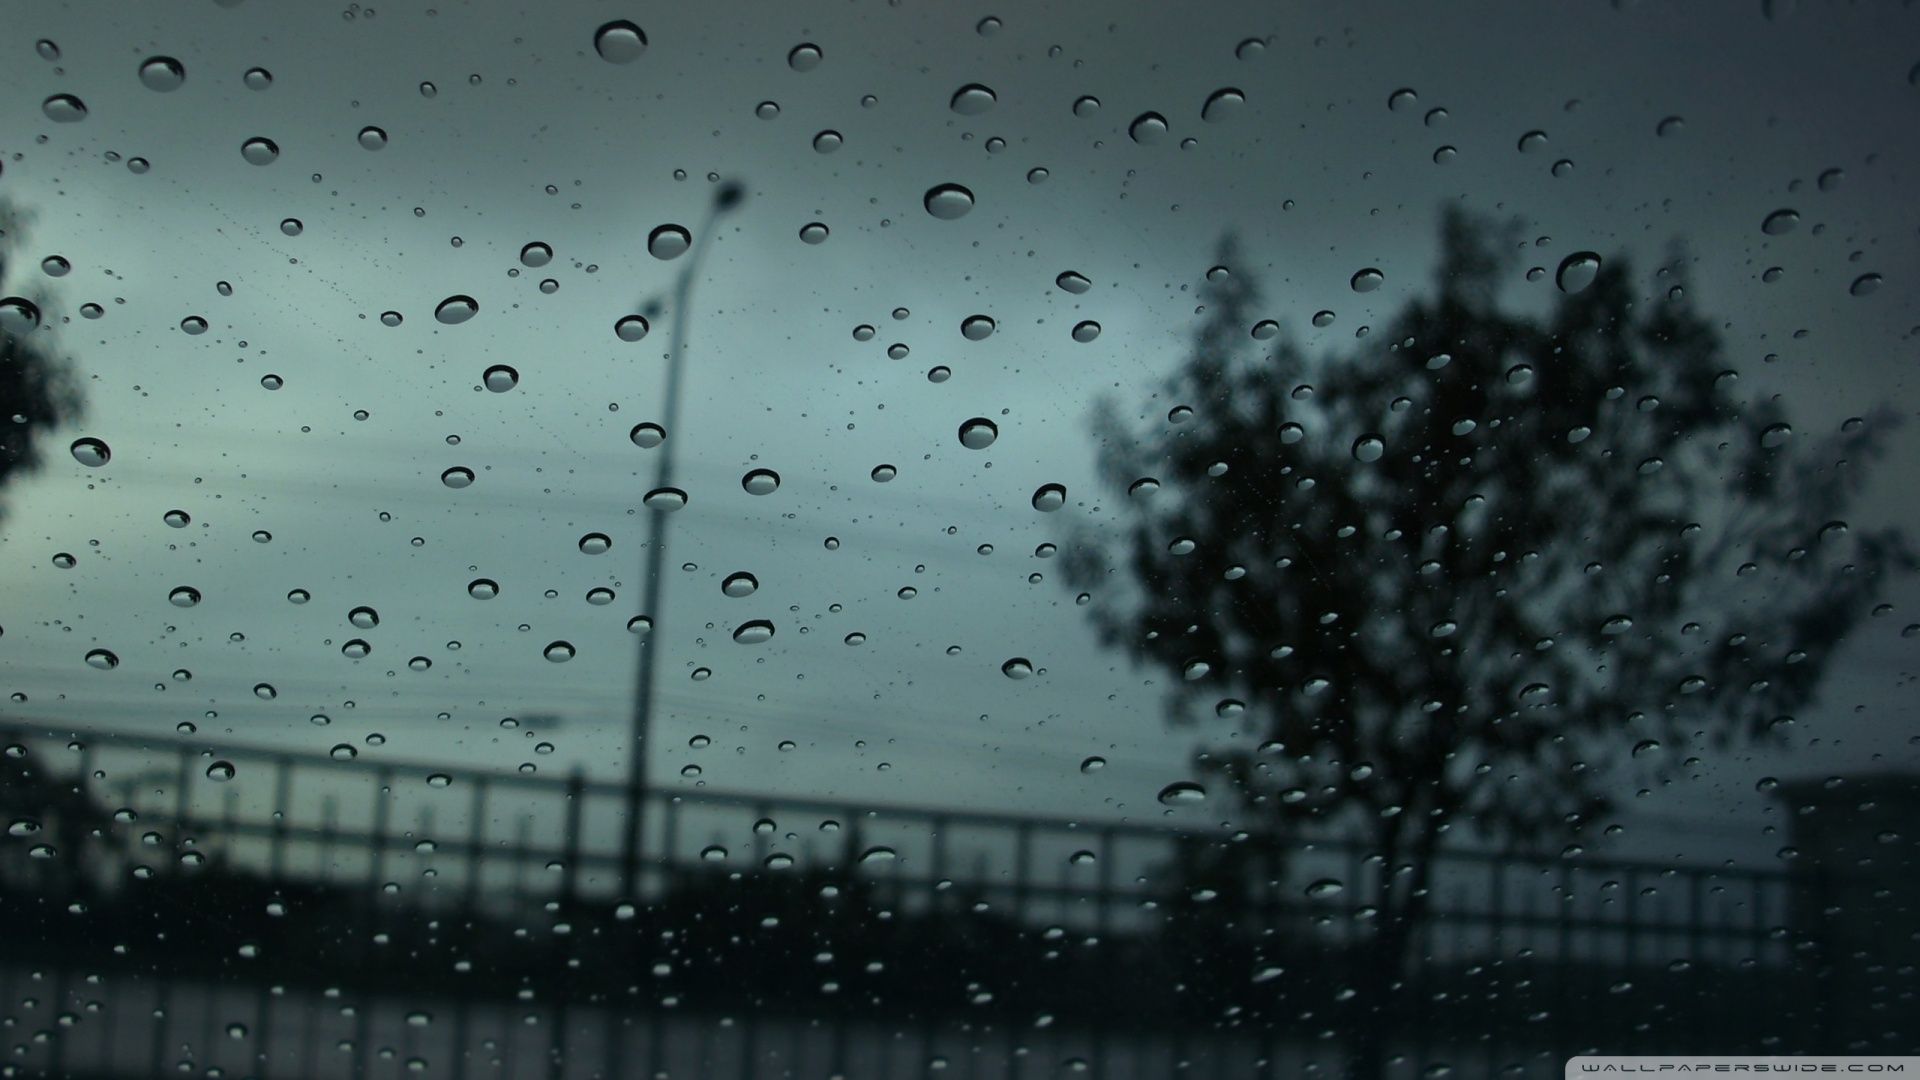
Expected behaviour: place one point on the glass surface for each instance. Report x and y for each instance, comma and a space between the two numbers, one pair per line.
924, 539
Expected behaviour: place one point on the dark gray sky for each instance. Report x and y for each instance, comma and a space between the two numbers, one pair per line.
533, 137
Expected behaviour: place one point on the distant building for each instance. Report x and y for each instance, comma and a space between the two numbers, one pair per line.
1855, 903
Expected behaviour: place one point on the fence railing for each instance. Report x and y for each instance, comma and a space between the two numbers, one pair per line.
516, 876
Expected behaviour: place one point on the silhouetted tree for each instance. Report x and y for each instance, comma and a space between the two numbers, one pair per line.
1460, 570
34, 391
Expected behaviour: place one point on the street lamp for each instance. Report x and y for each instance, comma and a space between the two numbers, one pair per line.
726, 198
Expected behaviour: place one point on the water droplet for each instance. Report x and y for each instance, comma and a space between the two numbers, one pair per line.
178, 519
760, 482
1148, 129
646, 436
826, 142
1775, 435
1780, 222
665, 499
1577, 271
90, 452
972, 100
1049, 497
558, 652
260, 151
631, 328
500, 378
1669, 127
184, 596
1086, 106
1265, 330
47, 49
595, 543
978, 433
1182, 793
265, 691
104, 659
753, 632
457, 477
64, 109
1325, 887
1830, 179
878, 854
364, 617
1017, 668
194, 324
948, 201
456, 309
639, 624
220, 771
372, 138
1533, 141
162, 73
257, 78
813, 232
1365, 281
1071, 282
1617, 624
669, 241
619, 42
883, 473
1086, 331
536, 254
977, 327
1368, 448
805, 56
739, 584
1645, 746
1222, 104
1864, 285
600, 596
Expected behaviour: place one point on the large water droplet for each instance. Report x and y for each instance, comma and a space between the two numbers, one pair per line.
648, 435
805, 56
1222, 104
1086, 105
1085, 331
1050, 497
595, 543
104, 659
558, 652
536, 254
826, 142
760, 482
162, 73
753, 632
972, 100
1148, 129
948, 201
1368, 448
978, 433
1093, 764
1577, 271
500, 378
483, 588
90, 452
18, 315
184, 596
669, 241
1865, 285
813, 232
1182, 793
1775, 435
257, 78
1072, 282
1018, 667
220, 771
631, 327
977, 327
619, 42
1365, 281
260, 151
1780, 222
456, 309
665, 499
739, 584
64, 109
372, 138
1325, 887
457, 477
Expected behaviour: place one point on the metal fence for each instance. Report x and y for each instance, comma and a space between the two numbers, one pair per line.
377, 917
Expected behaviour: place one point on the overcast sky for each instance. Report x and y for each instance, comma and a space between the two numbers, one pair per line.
531, 136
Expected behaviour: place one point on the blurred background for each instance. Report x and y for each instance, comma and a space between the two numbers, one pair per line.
911, 539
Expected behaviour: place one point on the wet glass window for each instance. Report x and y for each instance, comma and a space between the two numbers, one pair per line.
925, 539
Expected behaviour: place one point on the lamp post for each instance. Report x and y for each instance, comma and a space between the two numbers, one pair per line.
726, 197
